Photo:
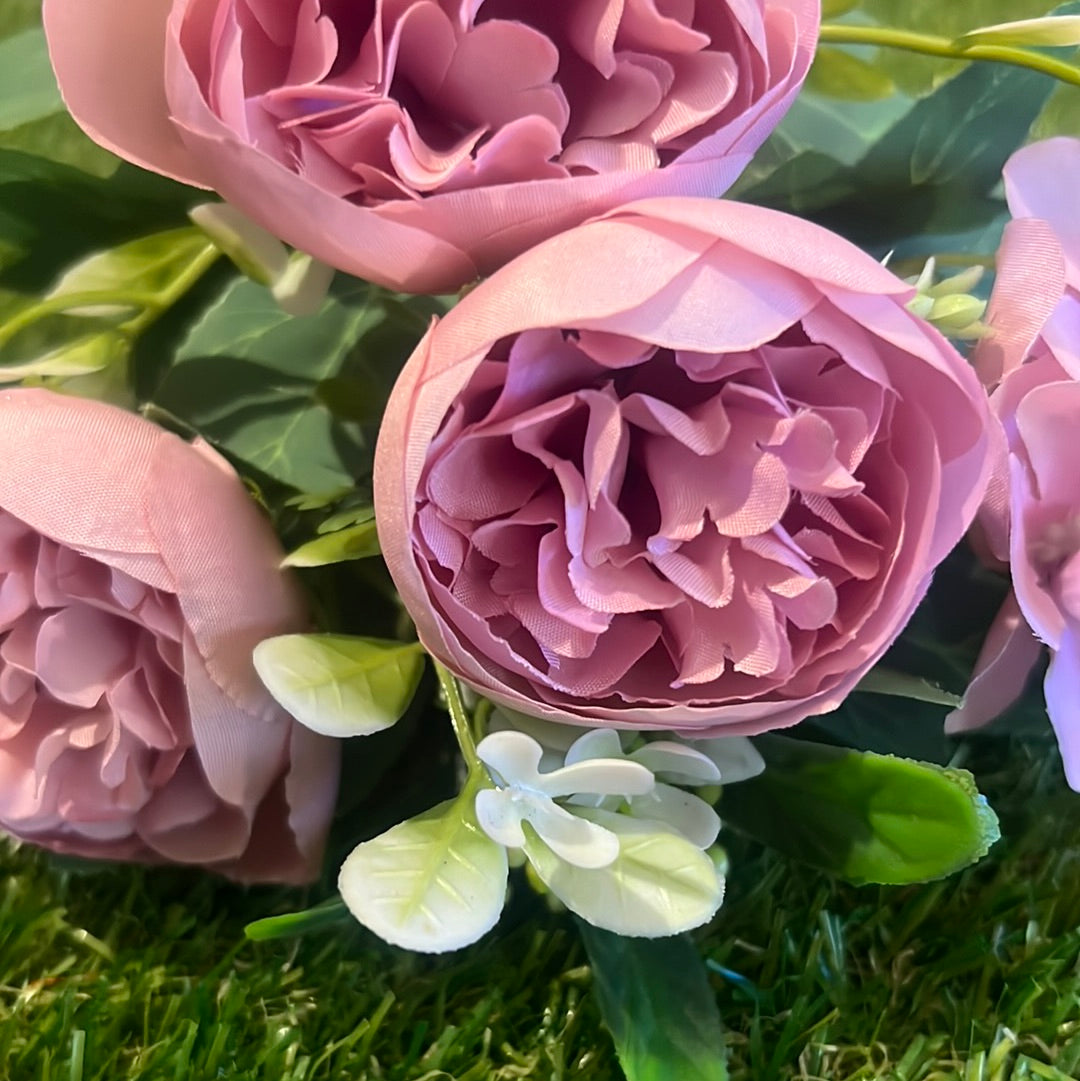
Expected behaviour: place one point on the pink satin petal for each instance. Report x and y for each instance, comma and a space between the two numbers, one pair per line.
121, 106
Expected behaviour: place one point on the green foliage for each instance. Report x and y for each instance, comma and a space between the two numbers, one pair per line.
655, 999
294, 399
341, 685
863, 816
28, 90
147, 970
356, 541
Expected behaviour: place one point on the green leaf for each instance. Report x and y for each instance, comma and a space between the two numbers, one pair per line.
339, 685
358, 541
52, 214
1052, 30
28, 88
291, 924
890, 681
655, 998
659, 884
148, 265
837, 73
434, 883
863, 816
248, 377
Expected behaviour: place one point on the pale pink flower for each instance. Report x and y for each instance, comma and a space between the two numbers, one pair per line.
421, 143
689, 466
136, 576
1031, 517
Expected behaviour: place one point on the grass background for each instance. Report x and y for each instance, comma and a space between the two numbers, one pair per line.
129, 973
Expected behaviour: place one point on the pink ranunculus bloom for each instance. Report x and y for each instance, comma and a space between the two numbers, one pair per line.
1031, 517
136, 576
688, 466
420, 144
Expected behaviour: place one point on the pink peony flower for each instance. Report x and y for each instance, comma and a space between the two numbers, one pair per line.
688, 466
424, 143
1032, 513
136, 576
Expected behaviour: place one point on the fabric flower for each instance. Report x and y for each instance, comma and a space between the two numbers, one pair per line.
136, 576
1032, 514
688, 466
420, 144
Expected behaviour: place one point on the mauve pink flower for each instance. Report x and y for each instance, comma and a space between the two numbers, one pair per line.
421, 143
1032, 513
688, 466
136, 577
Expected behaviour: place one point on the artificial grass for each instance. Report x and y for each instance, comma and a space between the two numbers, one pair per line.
144, 974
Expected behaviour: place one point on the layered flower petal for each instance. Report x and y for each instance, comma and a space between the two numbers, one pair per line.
702, 496
419, 143
136, 576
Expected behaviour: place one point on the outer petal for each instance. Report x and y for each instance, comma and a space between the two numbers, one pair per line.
109, 58
1007, 657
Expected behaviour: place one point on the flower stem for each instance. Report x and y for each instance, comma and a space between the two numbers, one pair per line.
459, 718
934, 45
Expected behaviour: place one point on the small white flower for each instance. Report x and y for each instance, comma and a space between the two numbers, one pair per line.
525, 794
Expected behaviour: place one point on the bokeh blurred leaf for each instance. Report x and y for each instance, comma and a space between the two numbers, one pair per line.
28, 89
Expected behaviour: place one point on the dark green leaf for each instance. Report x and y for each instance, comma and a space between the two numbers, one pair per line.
655, 998
863, 816
52, 214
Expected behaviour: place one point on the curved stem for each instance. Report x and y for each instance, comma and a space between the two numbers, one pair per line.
459, 718
933, 45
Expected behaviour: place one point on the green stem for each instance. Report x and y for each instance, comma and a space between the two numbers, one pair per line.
459, 719
152, 305
176, 288
933, 45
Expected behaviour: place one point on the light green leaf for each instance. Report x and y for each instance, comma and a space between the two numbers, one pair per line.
28, 89
837, 73
434, 883
91, 353
340, 685
659, 884
354, 542
1052, 30
890, 681
866, 817
655, 998
148, 266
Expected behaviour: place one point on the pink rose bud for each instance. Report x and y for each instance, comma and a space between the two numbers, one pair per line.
1031, 515
422, 144
136, 577
689, 466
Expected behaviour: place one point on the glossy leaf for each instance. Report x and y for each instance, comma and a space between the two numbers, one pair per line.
655, 999
866, 817
339, 685
659, 884
434, 883
890, 681
359, 541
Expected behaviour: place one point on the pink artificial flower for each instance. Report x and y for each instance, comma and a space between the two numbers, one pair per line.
136, 576
1032, 513
421, 144
688, 466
